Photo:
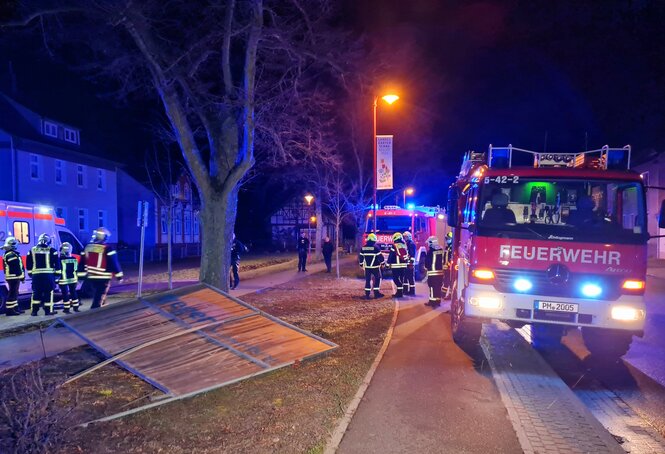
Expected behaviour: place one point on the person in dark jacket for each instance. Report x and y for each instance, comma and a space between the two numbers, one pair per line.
14, 275
99, 263
370, 259
236, 248
68, 278
398, 259
327, 250
303, 249
43, 265
434, 263
409, 284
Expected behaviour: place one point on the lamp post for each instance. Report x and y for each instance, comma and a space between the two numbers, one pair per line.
308, 199
407, 191
389, 99
312, 220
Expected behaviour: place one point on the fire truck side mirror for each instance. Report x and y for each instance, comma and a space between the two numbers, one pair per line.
453, 196
661, 215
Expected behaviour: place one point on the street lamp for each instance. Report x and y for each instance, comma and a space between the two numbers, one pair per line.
308, 199
389, 99
312, 220
407, 191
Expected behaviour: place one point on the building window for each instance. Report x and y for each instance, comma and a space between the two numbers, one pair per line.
22, 232
188, 222
35, 167
83, 220
175, 192
71, 136
164, 222
196, 225
101, 180
187, 192
178, 222
50, 129
80, 176
101, 218
61, 212
60, 173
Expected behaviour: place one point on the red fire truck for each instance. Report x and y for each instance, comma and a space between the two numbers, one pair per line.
557, 241
421, 221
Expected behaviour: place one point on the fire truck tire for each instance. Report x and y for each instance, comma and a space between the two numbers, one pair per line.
610, 344
546, 337
465, 332
3, 298
420, 268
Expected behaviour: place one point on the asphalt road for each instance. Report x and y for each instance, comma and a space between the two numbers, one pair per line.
428, 395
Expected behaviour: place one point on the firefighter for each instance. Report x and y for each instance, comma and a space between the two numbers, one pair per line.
370, 259
14, 275
409, 284
447, 265
68, 278
303, 249
236, 248
397, 261
434, 262
99, 263
43, 265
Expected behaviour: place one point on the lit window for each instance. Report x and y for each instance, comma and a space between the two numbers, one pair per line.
101, 218
101, 180
80, 176
50, 129
22, 232
71, 136
35, 167
83, 220
60, 173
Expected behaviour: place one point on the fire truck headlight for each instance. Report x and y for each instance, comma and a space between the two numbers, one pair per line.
591, 290
522, 285
485, 302
627, 313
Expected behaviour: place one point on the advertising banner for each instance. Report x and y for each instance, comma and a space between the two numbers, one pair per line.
384, 162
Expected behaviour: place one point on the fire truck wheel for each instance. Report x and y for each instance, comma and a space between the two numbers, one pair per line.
3, 298
609, 344
545, 337
465, 333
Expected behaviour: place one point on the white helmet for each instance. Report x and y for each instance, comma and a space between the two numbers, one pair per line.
66, 248
44, 240
11, 244
432, 241
407, 235
100, 235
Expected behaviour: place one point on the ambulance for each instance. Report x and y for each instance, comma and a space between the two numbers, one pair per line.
421, 221
25, 222
555, 241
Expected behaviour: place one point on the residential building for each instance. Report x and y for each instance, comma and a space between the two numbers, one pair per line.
653, 174
185, 209
294, 217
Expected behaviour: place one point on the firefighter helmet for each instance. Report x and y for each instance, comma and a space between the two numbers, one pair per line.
397, 236
100, 235
11, 244
432, 241
371, 237
44, 240
449, 238
407, 235
66, 248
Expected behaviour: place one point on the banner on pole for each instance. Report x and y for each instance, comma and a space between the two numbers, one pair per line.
384, 162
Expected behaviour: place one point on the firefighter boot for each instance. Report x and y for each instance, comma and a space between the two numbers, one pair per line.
398, 294
12, 312
378, 294
366, 295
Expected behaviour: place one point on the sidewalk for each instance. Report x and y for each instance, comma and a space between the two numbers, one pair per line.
656, 268
27, 347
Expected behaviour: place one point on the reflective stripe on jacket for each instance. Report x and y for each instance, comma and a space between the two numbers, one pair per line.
370, 256
69, 268
42, 260
13, 266
99, 261
399, 256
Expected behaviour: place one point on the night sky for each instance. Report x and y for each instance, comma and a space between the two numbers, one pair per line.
537, 74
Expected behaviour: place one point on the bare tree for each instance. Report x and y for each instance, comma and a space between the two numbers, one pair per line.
338, 194
216, 67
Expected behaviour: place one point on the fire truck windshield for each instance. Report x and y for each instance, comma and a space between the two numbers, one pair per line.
602, 211
389, 224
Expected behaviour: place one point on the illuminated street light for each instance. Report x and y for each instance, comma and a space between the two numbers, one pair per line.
407, 191
389, 99
309, 198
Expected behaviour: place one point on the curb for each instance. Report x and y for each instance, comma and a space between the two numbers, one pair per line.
340, 430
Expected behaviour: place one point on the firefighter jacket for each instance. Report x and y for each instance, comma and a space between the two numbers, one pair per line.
370, 256
399, 255
99, 261
13, 266
69, 269
43, 260
435, 260
411, 249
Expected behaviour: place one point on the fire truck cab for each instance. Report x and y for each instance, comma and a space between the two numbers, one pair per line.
557, 241
421, 221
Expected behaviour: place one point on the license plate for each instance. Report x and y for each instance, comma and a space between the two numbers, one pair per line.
557, 307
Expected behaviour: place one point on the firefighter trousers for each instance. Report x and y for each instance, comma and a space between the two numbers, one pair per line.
409, 284
100, 287
376, 275
434, 282
398, 279
70, 298
42, 293
12, 296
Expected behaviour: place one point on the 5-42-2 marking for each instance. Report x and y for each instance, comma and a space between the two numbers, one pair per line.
503, 179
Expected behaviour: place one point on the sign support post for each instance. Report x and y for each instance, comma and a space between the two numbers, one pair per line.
142, 222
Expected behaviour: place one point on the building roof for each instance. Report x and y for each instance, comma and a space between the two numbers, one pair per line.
24, 126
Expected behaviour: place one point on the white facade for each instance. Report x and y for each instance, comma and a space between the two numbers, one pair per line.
653, 174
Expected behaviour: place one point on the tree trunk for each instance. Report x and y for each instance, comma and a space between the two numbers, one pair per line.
337, 232
319, 226
218, 217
